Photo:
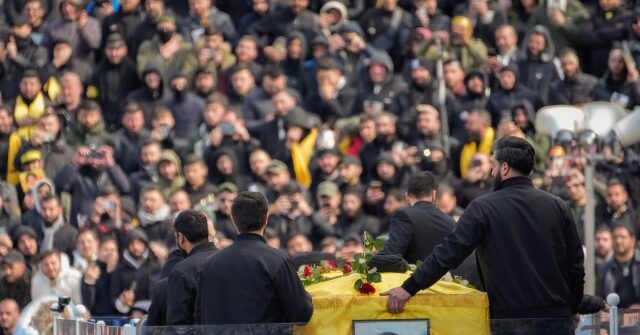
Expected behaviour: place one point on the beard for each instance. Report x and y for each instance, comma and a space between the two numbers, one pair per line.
497, 179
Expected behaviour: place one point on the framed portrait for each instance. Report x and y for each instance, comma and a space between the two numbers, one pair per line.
390, 327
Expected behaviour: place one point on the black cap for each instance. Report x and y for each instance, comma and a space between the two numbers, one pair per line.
115, 40
13, 257
20, 21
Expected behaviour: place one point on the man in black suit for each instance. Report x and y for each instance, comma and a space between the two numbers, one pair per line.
192, 236
415, 230
250, 282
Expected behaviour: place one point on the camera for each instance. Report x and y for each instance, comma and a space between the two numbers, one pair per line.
227, 128
475, 163
61, 304
94, 152
294, 205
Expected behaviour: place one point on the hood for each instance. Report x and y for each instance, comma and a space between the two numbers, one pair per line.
222, 152
528, 107
476, 73
549, 50
340, 7
20, 231
172, 156
381, 57
34, 192
303, 40
136, 234
152, 66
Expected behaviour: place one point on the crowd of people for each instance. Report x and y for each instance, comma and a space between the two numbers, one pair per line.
117, 115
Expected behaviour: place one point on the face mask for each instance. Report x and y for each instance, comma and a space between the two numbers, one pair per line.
178, 93
165, 35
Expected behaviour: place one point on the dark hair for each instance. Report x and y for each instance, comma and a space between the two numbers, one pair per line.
616, 181
132, 107
193, 159
396, 193
630, 229
422, 184
249, 211
218, 98
89, 105
48, 197
603, 229
89, 231
516, 152
48, 253
193, 225
273, 71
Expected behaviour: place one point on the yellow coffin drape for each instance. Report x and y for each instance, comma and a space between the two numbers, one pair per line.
451, 308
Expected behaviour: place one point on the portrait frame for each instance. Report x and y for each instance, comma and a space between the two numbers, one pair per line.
391, 326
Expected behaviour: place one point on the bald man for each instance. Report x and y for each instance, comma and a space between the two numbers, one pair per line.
9, 314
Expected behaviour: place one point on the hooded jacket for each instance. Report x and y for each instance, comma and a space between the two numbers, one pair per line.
294, 68
539, 72
67, 284
169, 186
384, 92
539, 142
237, 177
501, 100
472, 100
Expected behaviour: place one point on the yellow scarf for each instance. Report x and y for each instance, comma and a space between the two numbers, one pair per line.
34, 110
471, 148
53, 88
301, 154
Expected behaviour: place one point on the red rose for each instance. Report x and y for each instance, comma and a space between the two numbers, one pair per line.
346, 268
307, 271
332, 264
367, 288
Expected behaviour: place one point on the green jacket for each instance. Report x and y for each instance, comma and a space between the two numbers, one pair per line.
470, 56
183, 61
567, 36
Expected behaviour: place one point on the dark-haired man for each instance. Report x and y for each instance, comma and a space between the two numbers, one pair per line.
192, 237
526, 242
416, 230
249, 281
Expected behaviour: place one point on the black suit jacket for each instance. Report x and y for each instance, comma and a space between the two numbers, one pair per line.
416, 230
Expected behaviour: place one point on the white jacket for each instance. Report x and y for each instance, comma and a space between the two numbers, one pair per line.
67, 284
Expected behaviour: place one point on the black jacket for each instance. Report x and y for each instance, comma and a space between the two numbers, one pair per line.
251, 282
607, 87
530, 258
416, 230
183, 285
20, 290
115, 82
610, 277
126, 147
96, 297
573, 91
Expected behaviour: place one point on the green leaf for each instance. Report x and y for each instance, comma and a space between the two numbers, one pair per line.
357, 284
375, 277
380, 241
418, 264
